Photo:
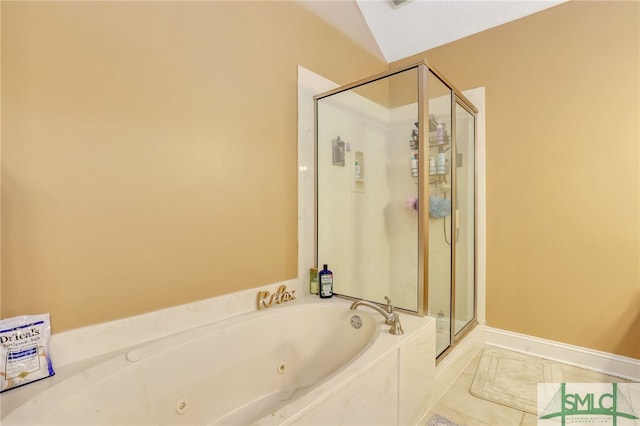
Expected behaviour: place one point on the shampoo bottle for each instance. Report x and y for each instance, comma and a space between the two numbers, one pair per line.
440, 134
441, 163
326, 282
414, 165
432, 166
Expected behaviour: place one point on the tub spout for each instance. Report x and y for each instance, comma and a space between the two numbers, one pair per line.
391, 318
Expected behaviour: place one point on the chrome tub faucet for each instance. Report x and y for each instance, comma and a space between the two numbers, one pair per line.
390, 316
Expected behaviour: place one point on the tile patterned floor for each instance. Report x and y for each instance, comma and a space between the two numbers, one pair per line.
460, 406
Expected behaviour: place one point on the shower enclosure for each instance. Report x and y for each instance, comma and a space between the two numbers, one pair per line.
395, 195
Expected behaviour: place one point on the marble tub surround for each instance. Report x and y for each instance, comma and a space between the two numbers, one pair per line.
76, 345
394, 384
389, 381
459, 405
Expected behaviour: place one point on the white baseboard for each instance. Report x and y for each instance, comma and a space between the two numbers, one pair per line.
604, 362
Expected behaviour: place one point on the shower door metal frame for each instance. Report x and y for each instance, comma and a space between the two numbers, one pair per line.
457, 98
423, 69
454, 338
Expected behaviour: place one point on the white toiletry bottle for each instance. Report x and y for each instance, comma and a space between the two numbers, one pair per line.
441, 163
440, 134
356, 171
432, 166
414, 165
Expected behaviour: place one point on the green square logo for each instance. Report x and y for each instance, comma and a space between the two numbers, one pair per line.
616, 404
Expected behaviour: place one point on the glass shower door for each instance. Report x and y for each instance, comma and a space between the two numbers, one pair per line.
464, 218
439, 208
451, 206
367, 187
395, 196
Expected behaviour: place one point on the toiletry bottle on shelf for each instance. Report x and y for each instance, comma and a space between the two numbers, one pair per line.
432, 166
313, 281
440, 134
326, 282
356, 172
441, 163
414, 165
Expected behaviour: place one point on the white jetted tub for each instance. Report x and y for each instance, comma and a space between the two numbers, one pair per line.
301, 363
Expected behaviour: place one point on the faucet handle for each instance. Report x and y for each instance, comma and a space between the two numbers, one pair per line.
394, 319
389, 306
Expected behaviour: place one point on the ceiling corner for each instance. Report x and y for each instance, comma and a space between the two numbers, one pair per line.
346, 17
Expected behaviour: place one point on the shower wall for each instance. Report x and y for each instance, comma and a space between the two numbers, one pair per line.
357, 258
368, 226
402, 218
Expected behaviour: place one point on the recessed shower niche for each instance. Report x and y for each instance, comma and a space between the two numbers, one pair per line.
395, 195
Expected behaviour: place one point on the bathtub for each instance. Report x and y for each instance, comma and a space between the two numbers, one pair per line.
301, 363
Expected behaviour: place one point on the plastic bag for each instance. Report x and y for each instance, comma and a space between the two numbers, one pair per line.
24, 350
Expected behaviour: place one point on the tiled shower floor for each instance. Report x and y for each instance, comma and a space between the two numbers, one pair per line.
460, 406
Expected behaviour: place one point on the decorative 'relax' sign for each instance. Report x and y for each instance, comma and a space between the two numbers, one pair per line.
266, 299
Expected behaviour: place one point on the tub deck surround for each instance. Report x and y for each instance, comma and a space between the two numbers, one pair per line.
72, 346
300, 362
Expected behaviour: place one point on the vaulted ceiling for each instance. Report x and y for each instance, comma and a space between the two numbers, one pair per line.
394, 33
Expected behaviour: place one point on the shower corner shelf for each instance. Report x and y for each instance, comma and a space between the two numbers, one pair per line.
439, 145
437, 179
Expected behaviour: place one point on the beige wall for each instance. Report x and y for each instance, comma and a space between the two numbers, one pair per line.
563, 162
149, 150
149, 158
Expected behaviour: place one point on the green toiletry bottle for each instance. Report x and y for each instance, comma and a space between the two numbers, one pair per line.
313, 281
326, 282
